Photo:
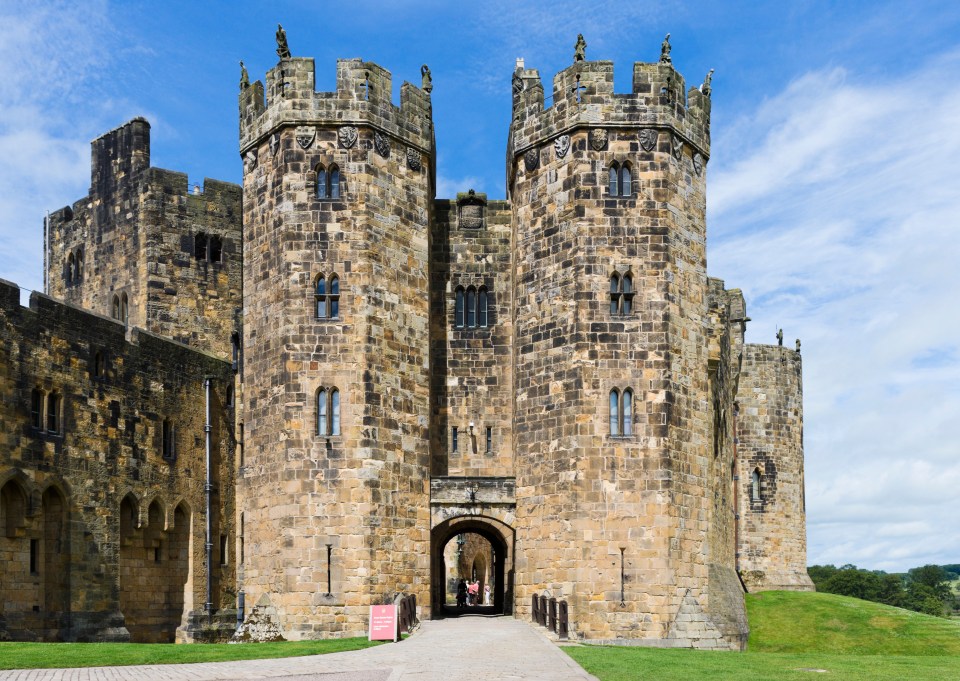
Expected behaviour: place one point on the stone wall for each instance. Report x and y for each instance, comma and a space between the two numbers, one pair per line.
104, 524
139, 237
364, 490
471, 357
773, 553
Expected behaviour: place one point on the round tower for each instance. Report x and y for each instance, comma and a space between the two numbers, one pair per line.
334, 482
612, 461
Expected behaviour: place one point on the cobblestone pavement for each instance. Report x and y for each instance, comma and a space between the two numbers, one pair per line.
463, 649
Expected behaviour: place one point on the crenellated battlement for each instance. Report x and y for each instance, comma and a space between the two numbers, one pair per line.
362, 98
583, 97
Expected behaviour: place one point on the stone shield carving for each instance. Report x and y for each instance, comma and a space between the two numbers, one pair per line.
381, 144
648, 139
347, 136
531, 159
250, 160
413, 159
598, 139
274, 143
676, 144
562, 145
305, 136
698, 163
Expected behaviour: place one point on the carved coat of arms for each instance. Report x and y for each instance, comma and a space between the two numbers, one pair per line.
698, 163
598, 139
648, 139
274, 143
676, 145
381, 144
562, 145
413, 159
531, 159
305, 136
347, 136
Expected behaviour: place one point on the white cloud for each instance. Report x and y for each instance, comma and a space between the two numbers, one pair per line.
50, 56
834, 206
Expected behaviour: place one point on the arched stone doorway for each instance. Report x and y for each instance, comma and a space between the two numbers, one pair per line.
496, 564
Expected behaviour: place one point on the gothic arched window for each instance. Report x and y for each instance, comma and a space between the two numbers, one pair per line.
621, 294
328, 411
482, 307
328, 182
621, 412
755, 485
326, 296
620, 180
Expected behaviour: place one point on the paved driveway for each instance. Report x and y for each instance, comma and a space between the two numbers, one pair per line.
463, 649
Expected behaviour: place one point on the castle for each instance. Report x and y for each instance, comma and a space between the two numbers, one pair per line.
265, 408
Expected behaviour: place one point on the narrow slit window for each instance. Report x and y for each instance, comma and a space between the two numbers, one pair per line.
216, 249
626, 181
489, 439
459, 310
53, 413
322, 412
627, 404
755, 485
334, 182
454, 439
168, 440
482, 307
614, 413
335, 412
36, 409
334, 296
471, 307
614, 293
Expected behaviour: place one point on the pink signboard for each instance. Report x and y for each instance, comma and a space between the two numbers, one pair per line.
383, 623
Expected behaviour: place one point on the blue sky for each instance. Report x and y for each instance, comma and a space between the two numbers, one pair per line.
833, 197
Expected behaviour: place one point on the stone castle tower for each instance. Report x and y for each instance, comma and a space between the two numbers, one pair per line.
386, 371
554, 372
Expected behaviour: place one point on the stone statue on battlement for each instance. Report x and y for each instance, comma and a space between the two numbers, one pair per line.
426, 80
780, 337
707, 86
798, 346
283, 50
665, 51
580, 49
244, 77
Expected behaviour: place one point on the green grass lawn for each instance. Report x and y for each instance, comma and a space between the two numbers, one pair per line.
794, 635
50, 655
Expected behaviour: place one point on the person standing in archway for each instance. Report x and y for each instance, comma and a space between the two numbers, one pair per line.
461, 594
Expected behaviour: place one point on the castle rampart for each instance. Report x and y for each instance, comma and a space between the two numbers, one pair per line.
102, 473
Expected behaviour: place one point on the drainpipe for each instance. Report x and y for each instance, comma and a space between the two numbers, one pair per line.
208, 489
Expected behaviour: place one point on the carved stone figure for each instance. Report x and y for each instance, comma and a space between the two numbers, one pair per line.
531, 159
305, 136
283, 51
381, 144
426, 83
648, 139
598, 138
706, 88
562, 145
780, 337
347, 136
244, 77
798, 345
580, 49
698, 163
665, 51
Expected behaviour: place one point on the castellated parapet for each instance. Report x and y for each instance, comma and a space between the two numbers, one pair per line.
146, 248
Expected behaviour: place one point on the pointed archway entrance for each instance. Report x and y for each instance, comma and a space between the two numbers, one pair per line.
473, 548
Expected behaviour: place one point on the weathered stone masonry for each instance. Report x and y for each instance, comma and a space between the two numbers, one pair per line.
554, 373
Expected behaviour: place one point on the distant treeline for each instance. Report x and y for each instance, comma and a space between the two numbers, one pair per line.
924, 589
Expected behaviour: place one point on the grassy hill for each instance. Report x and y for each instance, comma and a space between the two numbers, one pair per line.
802, 635
799, 622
